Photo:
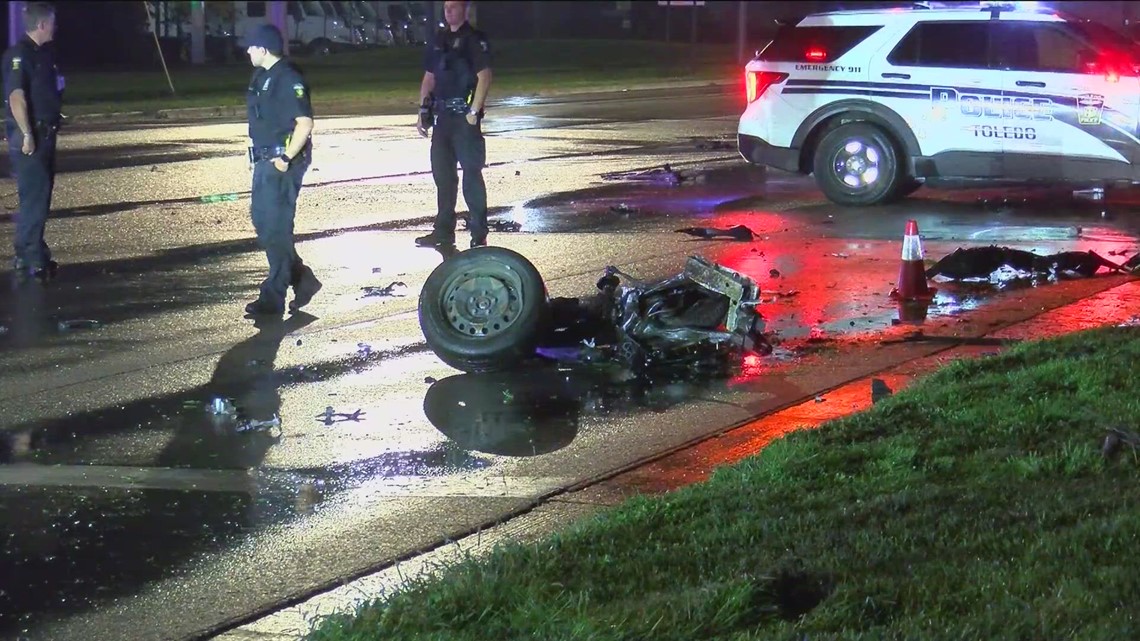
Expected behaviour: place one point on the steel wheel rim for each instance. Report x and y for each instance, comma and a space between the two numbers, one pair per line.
483, 301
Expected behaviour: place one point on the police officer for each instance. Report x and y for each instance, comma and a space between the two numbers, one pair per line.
457, 75
280, 124
33, 95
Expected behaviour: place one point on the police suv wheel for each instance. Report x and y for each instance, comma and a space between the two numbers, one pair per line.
484, 309
857, 164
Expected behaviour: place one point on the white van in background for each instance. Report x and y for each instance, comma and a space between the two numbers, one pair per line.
316, 27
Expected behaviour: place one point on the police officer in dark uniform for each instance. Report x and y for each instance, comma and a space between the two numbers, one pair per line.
33, 95
280, 124
457, 75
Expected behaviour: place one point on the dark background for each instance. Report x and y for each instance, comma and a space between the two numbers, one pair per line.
94, 34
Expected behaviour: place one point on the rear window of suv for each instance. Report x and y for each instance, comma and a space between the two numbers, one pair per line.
814, 44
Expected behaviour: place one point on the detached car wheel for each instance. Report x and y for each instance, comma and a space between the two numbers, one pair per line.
857, 164
484, 309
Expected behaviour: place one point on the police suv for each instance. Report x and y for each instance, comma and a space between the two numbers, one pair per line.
875, 102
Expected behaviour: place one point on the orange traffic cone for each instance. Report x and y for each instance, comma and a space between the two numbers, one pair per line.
912, 273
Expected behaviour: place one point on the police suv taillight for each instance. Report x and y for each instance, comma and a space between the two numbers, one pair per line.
757, 82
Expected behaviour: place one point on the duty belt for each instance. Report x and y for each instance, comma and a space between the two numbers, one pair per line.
265, 153
453, 105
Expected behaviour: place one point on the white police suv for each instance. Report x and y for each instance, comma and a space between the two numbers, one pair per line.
875, 102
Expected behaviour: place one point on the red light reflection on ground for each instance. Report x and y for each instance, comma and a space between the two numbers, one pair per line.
842, 286
828, 287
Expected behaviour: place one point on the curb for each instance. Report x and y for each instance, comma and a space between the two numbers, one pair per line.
235, 111
660, 474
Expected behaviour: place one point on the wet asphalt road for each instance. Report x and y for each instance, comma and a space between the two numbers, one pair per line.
129, 512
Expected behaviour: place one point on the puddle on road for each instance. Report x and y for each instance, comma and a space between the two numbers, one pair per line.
625, 202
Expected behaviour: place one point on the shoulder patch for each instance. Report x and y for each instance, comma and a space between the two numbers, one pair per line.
16, 63
299, 90
265, 87
483, 45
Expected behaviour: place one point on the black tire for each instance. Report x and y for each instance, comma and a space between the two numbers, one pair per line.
484, 309
860, 152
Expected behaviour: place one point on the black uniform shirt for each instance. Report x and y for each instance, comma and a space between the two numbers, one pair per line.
455, 57
30, 67
277, 97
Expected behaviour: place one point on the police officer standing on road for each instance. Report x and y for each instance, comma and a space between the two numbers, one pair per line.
280, 125
33, 94
457, 75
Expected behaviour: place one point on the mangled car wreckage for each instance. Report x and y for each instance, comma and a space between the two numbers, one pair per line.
487, 309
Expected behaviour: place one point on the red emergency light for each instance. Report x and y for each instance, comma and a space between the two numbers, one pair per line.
816, 54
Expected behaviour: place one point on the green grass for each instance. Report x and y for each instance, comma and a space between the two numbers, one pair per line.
974, 505
385, 75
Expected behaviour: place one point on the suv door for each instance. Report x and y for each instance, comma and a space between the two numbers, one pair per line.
1083, 121
944, 66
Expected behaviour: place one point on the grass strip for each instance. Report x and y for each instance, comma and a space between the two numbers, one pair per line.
976, 504
384, 75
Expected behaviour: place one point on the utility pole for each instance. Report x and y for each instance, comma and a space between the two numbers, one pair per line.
693, 30
15, 22
198, 32
278, 17
741, 30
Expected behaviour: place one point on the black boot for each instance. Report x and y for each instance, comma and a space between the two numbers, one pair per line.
47, 271
262, 307
435, 239
305, 287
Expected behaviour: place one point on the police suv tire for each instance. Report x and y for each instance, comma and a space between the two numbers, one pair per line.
875, 147
484, 309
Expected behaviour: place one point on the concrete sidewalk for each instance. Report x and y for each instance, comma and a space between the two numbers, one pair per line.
695, 462
382, 107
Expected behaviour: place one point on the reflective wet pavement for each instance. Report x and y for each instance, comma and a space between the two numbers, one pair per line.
133, 512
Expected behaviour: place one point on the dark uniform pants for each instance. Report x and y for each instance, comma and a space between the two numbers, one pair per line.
273, 208
453, 139
35, 179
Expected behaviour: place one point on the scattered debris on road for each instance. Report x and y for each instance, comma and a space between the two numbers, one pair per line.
330, 416
66, 325
716, 144
222, 407
737, 232
395, 289
662, 175
979, 263
623, 208
271, 425
218, 198
504, 226
364, 350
